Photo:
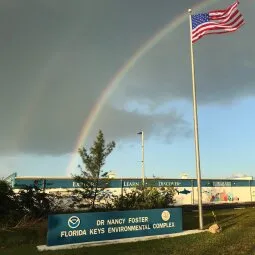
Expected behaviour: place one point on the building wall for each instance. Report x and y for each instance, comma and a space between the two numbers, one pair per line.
253, 191
213, 190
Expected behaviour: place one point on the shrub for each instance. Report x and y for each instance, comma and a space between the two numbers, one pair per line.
9, 209
144, 198
34, 203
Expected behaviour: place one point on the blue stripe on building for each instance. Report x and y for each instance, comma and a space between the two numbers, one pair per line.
49, 183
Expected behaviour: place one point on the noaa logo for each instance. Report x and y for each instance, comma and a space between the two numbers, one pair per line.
165, 215
74, 222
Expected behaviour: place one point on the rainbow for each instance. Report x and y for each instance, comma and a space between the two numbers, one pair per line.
89, 122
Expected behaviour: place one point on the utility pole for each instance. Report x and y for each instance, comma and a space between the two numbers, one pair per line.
142, 140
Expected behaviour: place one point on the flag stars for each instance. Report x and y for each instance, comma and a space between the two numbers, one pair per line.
198, 19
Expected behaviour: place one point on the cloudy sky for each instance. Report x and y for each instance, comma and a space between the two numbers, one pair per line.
58, 56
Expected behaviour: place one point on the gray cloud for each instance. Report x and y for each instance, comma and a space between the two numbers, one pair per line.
54, 134
224, 67
58, 56
119, 123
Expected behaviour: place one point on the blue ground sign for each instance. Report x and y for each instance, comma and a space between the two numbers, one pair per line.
89, 227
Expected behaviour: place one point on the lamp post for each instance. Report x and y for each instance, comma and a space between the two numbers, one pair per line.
142, 136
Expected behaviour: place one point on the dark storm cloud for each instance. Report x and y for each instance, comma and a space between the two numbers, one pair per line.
224, 66
164, 126
57, 56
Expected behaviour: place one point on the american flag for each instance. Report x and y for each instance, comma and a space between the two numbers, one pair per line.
216, 22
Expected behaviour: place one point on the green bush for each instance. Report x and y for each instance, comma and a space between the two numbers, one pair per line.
144, 198
25, 206
34, 203
7, 198
9, 209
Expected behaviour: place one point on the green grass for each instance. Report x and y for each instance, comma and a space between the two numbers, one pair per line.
237, 237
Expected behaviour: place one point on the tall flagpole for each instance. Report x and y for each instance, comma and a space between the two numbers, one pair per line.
198, 172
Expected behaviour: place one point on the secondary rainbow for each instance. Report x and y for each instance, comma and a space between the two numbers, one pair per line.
112, 85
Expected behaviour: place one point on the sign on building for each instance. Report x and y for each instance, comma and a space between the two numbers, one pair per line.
88, 227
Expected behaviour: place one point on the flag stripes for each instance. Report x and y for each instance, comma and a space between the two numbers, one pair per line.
216, 22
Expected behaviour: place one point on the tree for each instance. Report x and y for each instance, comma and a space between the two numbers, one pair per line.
92, 181
7, 198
